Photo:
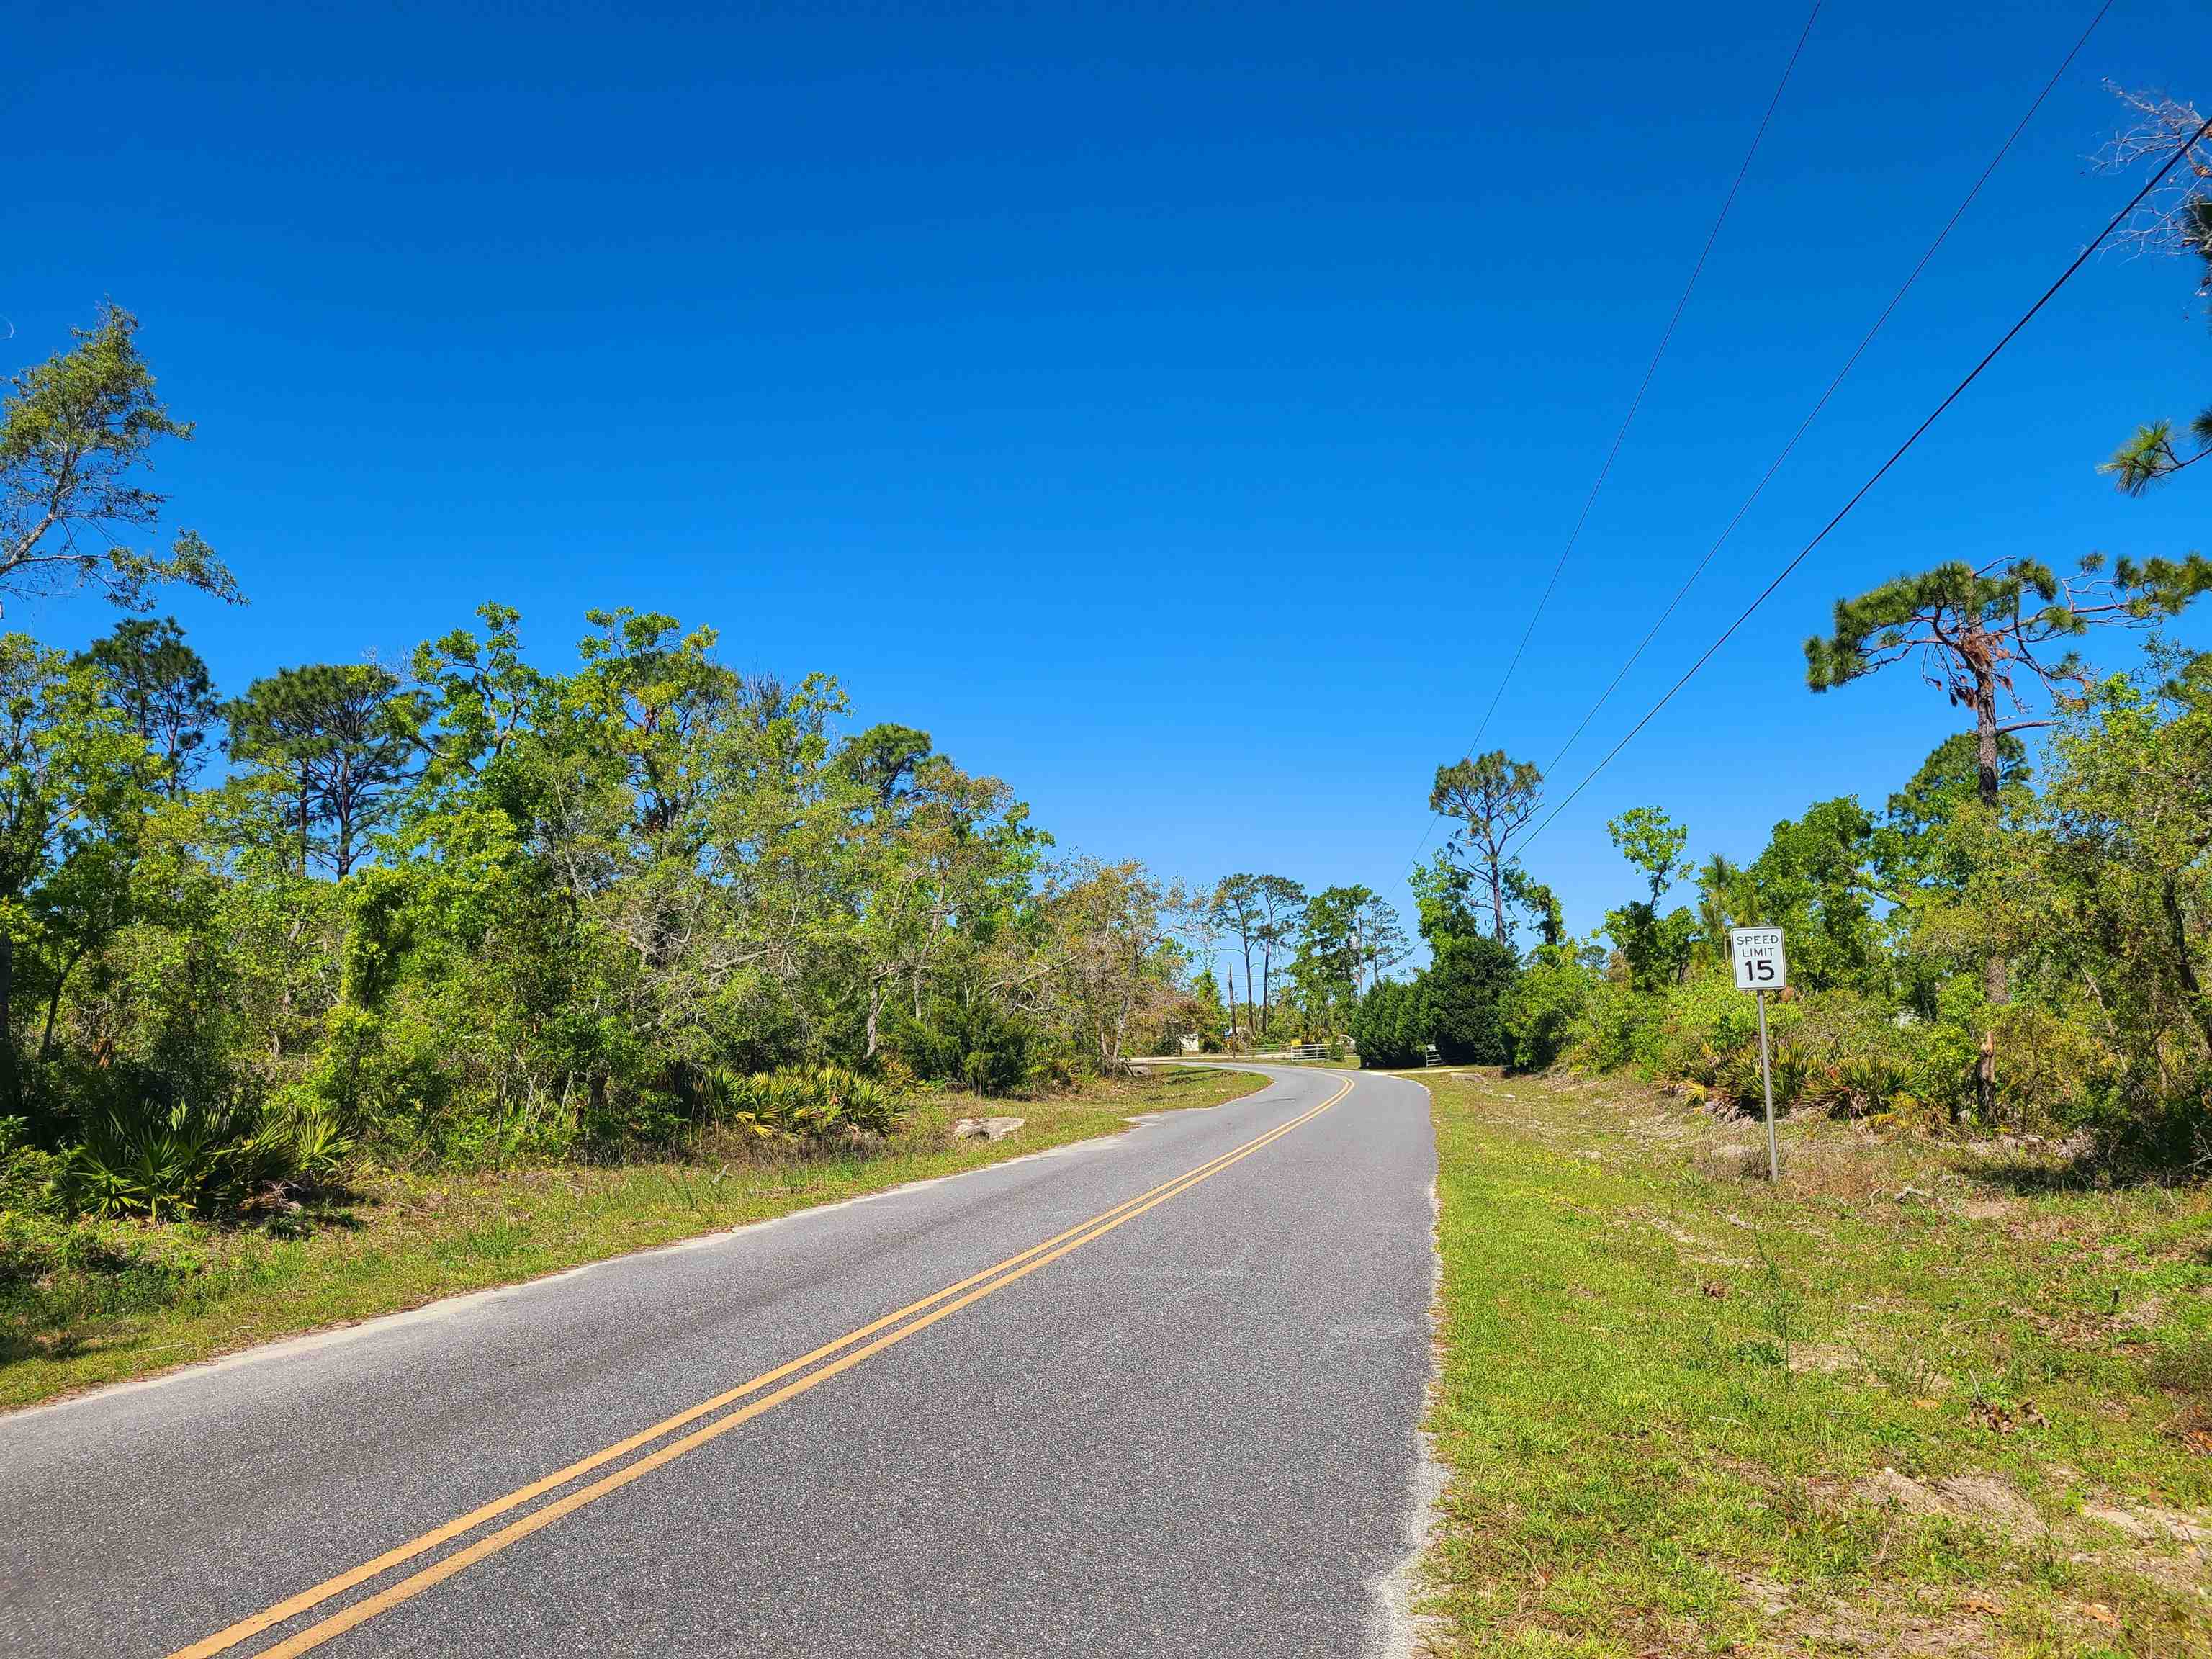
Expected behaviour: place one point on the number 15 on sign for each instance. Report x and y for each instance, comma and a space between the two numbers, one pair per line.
1760, 966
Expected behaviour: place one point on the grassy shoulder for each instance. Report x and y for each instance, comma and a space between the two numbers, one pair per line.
127, 1300
1920, 1400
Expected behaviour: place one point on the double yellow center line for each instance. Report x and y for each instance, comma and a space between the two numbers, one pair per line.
847, 1352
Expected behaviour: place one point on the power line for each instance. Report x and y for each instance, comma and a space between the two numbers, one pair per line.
1880, 473
1850, 363
1635, 404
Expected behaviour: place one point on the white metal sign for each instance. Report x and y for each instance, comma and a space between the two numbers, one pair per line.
1759, 963
1762, 966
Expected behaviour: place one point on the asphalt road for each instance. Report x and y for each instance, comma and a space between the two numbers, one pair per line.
1186, 1428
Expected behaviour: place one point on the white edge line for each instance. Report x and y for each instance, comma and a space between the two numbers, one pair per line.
1399, 1629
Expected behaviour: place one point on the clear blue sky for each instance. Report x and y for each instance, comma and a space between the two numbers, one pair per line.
1174, 411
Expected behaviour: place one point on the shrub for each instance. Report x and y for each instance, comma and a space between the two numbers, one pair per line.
1390, 1024
1545, 1008
817, 1104
30, 1177
143, 1151
169, 1161
1455, 1003
2049, 1068
1463, 988
973, 1042
1871, 1082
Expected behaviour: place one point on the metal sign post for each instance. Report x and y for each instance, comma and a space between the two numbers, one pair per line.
1760, 967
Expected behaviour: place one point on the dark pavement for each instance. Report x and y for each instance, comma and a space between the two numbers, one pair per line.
1190, 1434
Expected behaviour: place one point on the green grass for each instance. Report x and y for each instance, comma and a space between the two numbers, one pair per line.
124, 1300
1920, 1400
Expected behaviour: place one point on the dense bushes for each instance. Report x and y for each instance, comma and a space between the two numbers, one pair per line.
1844, 1052
1545, 1007
1453, 1003
169, 1159
1389, 1024
1462, 987
2039, 961
973, 1041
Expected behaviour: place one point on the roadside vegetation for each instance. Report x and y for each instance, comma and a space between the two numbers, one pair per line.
87, 1301
2017, 939
1947, 1386
1921, 1398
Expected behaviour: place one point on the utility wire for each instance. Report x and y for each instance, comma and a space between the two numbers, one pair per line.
1635, 404
1880, 473
1850, 363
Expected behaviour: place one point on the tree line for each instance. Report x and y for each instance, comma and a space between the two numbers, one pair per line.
471, 906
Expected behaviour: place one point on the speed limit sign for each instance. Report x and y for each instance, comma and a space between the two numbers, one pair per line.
1759, 963
1762, 966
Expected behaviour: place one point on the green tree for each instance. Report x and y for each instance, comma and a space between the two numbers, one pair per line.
1464, 988
1539, 904
1653, 842
75, 433
883, 759
2131, 809
1656, 948
954, 857
1378, 939
1281, 904
1116, 954
161, 687
1442, 890
68, 772
1986, 637
1493, 798
1389, 1024
1915, 851
1326, 969
334, 742
657, 698
482, 697
1814, 880
1549, 1000
1350, 937
1235, 910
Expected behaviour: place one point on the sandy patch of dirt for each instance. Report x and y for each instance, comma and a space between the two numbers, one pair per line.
1824, 1357
1986, 1499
